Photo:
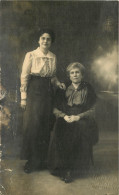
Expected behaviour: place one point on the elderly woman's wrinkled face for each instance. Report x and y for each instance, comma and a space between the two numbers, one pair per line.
75, 75
45, 41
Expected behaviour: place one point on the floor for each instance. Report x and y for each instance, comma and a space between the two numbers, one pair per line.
102, 178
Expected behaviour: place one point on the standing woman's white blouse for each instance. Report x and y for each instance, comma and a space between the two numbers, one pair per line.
36, 63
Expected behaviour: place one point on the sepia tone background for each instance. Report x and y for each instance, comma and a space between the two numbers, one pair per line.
86, 31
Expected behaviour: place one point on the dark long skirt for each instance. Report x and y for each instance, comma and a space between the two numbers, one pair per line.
71, 145
37, 121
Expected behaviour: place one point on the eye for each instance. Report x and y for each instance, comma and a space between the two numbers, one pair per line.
71, 72
48, 39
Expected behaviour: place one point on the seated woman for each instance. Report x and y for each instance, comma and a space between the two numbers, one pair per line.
75, 131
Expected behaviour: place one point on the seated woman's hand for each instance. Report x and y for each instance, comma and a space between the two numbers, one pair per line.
74, 118
67, 118
71, 118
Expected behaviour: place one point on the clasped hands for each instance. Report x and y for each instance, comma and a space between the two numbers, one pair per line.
71, 118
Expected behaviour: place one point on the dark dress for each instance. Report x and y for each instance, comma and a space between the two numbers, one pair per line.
71, 143
37, 121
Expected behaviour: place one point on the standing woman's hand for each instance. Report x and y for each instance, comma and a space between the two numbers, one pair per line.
23, 104
62, 86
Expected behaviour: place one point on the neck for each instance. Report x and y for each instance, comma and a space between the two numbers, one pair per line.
76, 85
45, 51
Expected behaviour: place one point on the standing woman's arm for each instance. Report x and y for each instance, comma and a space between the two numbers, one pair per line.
26, 69
54, 79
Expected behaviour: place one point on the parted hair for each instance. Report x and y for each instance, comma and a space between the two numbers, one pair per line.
76, 65
49, 31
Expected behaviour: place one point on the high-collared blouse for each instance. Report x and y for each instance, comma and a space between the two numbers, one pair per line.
36, 63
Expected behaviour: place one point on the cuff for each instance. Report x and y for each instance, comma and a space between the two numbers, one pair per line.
23, 102
23, 95
62, 115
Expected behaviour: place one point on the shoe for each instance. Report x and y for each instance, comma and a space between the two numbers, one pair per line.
68, 178
28, 168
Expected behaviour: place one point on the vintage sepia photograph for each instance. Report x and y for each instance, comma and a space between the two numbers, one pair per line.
59, 97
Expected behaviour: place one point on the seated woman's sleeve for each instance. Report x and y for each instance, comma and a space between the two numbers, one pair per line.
89, 113
58, 113
90, 104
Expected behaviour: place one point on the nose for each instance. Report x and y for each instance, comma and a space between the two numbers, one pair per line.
75, 74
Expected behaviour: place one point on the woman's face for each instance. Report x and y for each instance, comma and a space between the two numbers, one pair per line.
75, 75
45, 41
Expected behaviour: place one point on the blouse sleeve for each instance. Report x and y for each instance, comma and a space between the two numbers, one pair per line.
54, 79
26, 69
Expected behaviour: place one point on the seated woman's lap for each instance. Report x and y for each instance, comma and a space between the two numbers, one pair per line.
75, 129
70, 137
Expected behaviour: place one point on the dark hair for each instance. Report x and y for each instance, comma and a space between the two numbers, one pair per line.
49, 31
76, 65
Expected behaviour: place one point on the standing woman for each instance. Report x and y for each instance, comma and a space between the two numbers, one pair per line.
37, 78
